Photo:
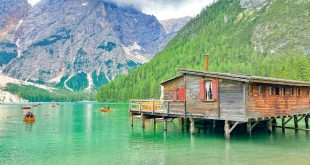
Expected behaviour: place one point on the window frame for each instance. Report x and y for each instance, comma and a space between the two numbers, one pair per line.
298, 92
207, 93
270, 90
291, 91
282, 91
277, 91
259, 90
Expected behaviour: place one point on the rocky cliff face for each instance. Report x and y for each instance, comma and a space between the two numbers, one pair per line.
11, 14
175, 24
82, 44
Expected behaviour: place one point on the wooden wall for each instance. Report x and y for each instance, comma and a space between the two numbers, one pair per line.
265, 105
232, 101
172, 86
193, 102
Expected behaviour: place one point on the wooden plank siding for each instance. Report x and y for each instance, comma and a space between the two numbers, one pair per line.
231, 96
194, 104
266, 105
235, 101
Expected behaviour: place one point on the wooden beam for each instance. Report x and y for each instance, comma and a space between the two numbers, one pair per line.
131, 121
303, 129
226, 129
295, 121
192, 125
283, 124
233, 127
165, 124
307, 121
143, 120
269, 125
287, 120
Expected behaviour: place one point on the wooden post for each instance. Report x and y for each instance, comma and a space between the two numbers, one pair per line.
131, 121
165, 125
269, 126
249, 125
153, 107
143, 120
307, 121
213, 125
192, 126
295, 121
283, 124
274, 123
227, 129
140, 106
168, 107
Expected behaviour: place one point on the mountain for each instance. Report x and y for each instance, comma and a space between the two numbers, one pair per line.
81, 44
175, 24
258, 37
11, 14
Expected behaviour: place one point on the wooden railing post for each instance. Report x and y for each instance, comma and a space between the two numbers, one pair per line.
184, 109
168, 107
140, 106
152, 106
130, 105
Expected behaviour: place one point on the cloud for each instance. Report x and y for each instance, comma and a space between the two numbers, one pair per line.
165, 9
162, 9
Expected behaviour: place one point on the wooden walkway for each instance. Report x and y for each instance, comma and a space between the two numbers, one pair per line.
167, 110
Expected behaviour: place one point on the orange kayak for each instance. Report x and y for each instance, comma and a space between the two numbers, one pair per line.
29, 119
105, 110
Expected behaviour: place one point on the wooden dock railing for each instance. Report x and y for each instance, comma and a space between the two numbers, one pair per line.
157, 106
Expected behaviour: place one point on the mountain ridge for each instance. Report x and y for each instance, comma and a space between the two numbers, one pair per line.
229, 31
81, 45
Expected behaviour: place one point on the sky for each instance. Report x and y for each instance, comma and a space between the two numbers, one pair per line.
163, 9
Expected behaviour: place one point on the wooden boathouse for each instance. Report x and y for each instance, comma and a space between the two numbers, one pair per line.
231, 98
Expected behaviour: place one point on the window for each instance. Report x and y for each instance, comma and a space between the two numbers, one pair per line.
291, 91
283, 91
270, 91
277, 91
298, 91
208, 90
259, 90
308, 91
250, 90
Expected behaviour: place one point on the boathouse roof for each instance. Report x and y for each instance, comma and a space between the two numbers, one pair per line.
241, 77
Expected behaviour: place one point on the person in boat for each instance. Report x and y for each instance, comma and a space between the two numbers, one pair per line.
29, 114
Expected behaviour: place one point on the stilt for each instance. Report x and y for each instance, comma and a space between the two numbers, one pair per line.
187, 123
269, 126
142, 120
307, 121
295, 121
131, 121
274, 123
250, 126
192, 123
227, 129
165, 125
283, 124
213, 124
249, 130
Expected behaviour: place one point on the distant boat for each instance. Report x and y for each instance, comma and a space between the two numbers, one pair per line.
26, 107
29, 119
106, 109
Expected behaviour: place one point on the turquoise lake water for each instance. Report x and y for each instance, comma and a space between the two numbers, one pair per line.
80, 134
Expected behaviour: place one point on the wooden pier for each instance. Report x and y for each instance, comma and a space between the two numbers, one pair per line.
167, 110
